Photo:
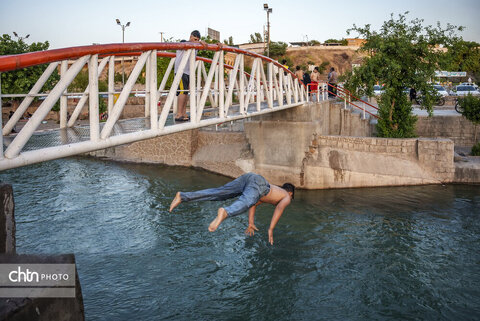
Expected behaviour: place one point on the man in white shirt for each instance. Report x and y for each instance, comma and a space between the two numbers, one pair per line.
184, 85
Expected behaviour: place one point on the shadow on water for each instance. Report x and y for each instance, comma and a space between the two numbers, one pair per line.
376, 253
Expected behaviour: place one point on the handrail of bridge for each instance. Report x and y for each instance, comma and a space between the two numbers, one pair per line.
348, 99
322, 89
268, 89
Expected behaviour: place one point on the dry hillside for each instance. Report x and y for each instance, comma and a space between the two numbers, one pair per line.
341, 58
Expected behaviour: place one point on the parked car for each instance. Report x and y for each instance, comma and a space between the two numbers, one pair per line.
441, 90
468, 84
378, 90
463, 90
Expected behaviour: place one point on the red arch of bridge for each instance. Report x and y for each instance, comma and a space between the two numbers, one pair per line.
14, 62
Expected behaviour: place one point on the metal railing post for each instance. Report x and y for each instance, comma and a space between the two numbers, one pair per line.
63, 98
111, 83
148, 86
93, 98
153, 92
221, 83
242, 86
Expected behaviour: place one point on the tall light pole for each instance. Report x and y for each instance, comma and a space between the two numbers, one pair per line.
269, 11
123, 41
161, 36
20, 38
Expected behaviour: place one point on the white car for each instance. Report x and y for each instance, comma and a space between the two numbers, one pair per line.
378, 90
441, 90
463, 90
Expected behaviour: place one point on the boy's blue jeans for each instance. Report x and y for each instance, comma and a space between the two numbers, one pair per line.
250, 187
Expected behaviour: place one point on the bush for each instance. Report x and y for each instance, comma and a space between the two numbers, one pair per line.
471, 109
476, 149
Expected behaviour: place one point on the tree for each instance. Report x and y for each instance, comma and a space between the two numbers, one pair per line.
229, 41
21, 81
401, 55
342, 42
471, 110
256, 38
277, 49
463, 56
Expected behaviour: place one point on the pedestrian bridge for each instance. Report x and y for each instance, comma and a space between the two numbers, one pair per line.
229, 92
218, 93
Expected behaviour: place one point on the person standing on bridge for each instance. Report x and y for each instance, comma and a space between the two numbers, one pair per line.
299, 74
184, 85
332, 82
252, 190
315, 77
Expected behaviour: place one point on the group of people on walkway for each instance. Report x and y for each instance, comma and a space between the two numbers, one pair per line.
312, 80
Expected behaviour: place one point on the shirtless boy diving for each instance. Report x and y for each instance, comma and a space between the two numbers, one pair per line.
252, 190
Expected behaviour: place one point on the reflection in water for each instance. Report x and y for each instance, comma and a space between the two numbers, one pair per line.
356, 254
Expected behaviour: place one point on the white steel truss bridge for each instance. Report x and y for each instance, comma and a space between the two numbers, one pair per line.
231, 92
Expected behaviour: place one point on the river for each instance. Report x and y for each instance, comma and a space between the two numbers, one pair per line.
400, 253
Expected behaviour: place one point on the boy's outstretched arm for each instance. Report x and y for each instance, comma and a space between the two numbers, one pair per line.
251, 220
276, 216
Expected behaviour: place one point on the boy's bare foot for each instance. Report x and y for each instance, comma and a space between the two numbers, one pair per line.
177, 200
222, 215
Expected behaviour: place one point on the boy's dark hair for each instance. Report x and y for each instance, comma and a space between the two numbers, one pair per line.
196, 34
298, 67
289, 188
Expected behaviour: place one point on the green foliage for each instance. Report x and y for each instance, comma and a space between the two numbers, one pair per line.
462, 56
401, 55
256, 38
102, 105
229, 41
395, 116
323, 67
278, 49
471, 109
21, 81
314, 43
476, 149
117, 78
342, 42
80, 83
162, 65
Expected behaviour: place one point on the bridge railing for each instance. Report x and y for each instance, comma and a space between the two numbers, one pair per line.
266, 88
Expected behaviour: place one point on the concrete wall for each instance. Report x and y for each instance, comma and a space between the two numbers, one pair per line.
225, 153
339, 162
456, 128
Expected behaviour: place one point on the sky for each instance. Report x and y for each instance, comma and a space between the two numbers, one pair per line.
69, 23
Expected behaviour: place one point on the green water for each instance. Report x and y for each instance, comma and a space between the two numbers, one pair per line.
409, 253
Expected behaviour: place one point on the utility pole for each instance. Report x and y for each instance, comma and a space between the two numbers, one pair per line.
123, 41
269, 11
161, 36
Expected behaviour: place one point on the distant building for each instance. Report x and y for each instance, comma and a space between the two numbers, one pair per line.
258, 47
355, 42
300, 44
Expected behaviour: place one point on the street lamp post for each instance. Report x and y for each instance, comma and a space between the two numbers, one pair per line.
123, 41
269, 11
20, 38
